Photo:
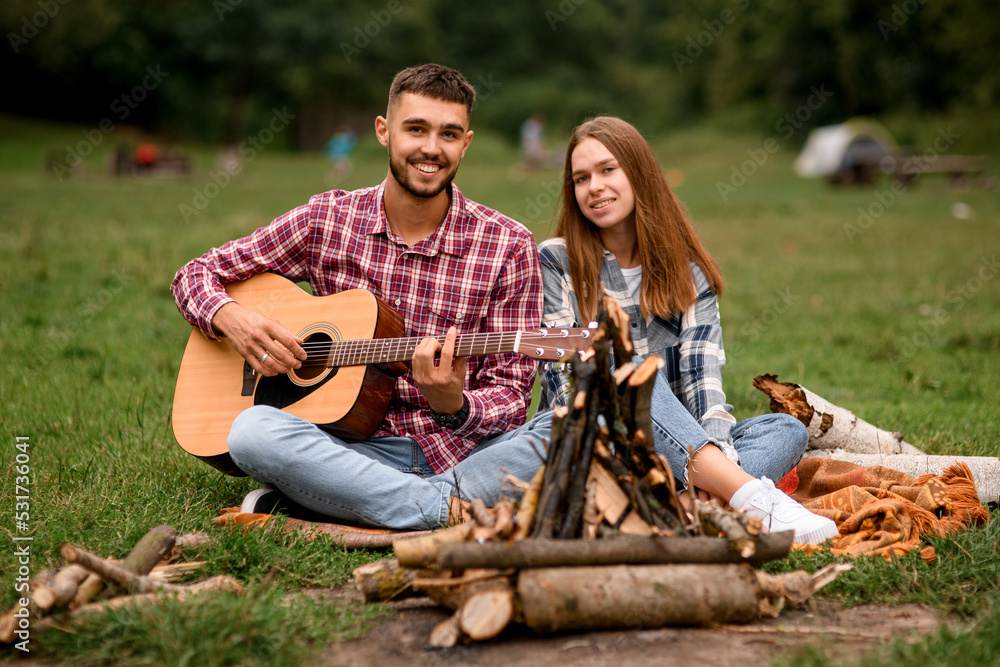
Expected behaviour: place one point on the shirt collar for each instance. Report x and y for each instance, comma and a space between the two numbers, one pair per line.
453, 235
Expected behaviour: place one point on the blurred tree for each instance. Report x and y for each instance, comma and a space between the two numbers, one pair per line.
231, 61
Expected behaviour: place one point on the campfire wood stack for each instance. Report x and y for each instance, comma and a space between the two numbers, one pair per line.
600, 537
89, 583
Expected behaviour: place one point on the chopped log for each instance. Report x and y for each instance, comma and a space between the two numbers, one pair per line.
220, 583
619, 330
453, 591
553, 499
486, 613
793, 588
192, 540
591, 516
61, 589
638, 393
830, 426
614, 505
632, 596
174, 571
985, 469
112, 573
422, 551
384, 580
10, 621
528, 506
623, 549
147, 552
150, 549
88, 590
447, 633
739, 539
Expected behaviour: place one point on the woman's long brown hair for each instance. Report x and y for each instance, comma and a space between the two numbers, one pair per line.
666, 239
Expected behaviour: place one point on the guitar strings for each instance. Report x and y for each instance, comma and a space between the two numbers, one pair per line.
366, 351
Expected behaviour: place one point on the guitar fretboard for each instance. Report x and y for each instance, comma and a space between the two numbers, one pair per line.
388, 350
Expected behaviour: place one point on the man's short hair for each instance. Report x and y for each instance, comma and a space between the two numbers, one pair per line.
432, 80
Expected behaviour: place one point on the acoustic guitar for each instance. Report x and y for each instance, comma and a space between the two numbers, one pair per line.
355, 353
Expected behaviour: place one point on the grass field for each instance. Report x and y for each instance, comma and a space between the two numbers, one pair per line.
895, 316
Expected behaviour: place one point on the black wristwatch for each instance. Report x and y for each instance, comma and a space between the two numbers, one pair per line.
454, 421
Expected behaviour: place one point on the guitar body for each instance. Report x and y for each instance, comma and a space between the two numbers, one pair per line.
214, 383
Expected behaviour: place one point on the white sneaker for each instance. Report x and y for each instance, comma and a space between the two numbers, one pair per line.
777, 512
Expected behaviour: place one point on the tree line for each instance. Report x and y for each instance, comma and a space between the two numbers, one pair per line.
228, 63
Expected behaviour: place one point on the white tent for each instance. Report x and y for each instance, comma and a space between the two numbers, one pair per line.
834, 149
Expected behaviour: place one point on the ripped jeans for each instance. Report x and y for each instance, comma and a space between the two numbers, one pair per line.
768, 445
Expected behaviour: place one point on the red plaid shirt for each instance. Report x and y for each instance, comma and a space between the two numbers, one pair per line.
478, 271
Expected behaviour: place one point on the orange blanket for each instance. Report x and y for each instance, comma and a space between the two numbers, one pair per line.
884, 512
350, 537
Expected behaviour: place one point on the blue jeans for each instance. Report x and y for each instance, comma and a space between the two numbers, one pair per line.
380, 481
768, 445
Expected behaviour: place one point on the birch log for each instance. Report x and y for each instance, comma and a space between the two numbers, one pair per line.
830, 426
985, 469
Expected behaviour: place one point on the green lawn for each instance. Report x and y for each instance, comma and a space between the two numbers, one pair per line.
900, 324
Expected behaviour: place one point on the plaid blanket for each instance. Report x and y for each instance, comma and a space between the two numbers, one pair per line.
884, 512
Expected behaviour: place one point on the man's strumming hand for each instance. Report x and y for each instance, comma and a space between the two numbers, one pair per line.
256, 336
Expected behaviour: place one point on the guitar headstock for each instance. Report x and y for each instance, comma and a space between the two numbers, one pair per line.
556, 343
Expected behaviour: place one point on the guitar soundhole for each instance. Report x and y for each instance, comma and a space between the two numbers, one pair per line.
317, 347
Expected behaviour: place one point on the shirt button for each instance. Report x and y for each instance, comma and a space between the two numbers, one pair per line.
398, 301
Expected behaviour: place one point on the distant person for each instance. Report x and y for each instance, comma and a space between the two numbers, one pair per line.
533, 142
339, 149
447, 265
623, 234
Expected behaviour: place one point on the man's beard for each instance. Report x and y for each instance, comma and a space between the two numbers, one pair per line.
398, 167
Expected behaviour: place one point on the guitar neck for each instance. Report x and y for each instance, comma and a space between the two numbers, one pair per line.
388, 350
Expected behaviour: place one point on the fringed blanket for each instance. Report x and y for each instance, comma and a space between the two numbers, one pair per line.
350, 537
884, 512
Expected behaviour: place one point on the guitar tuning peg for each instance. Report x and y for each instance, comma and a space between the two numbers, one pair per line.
593, 325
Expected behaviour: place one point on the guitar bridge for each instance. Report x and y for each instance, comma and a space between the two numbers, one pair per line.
249, 379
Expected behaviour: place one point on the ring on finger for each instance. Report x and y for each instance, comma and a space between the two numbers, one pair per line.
264, 358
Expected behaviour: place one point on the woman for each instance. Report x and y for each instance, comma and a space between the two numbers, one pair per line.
622, 233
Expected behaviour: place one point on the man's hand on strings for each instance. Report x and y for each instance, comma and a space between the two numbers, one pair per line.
440, 380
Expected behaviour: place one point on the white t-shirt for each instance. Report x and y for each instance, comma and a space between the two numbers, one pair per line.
633, 278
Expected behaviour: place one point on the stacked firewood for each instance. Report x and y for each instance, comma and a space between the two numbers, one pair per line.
89, 583
599, 538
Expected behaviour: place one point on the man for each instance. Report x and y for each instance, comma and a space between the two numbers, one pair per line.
447, 265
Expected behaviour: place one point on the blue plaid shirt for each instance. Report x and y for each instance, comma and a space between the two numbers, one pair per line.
689, 343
